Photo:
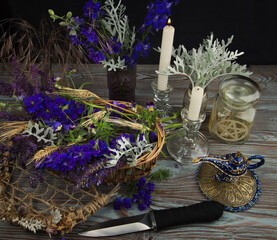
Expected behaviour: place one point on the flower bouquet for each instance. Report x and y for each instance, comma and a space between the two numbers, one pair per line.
104, 32
78, 135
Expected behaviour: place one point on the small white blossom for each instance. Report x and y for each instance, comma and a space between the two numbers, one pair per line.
57, 216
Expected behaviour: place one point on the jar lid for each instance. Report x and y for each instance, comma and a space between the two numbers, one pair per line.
239, 90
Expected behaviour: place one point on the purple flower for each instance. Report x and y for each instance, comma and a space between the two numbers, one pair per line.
142, 48
153, 137
112, 46
117, 204
126, 203
78, 21
97, 56
91, 9
54, 110
143, 196
90, 35
158, 13
146, 198
150, 106
57, 126
136, 198
34, 103
142, 206
149, 187
141, 183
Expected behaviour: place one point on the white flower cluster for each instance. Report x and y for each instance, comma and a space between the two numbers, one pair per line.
57, 216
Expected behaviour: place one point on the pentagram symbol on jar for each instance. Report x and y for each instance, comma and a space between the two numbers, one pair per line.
231, 130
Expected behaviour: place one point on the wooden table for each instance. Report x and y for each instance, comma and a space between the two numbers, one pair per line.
260, 222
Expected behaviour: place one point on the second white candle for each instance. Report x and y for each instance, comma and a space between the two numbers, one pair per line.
195, 103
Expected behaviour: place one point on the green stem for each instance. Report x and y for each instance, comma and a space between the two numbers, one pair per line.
174, 134
175, 125
174, 116
73, 84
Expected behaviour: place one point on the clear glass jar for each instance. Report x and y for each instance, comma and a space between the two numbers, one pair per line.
234, 109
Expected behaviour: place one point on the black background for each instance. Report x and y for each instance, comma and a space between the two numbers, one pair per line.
252, 22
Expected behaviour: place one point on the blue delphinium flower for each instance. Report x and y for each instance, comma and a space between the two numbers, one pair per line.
158, 13
90, 35
91, 10
96, 56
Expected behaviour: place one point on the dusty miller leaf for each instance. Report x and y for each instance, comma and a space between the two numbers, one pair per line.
42, 134
132, 152
113, 65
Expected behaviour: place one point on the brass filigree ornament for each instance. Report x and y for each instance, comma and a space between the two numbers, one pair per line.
230, 180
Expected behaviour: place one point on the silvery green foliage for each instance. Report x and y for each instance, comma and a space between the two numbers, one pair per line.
113, 65
30, 224
132, 152
117, 23
211, 60
45, 134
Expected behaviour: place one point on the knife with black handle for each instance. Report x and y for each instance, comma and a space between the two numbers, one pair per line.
203, 212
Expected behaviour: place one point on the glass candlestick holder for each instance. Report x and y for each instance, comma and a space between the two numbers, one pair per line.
188, 143
161, 100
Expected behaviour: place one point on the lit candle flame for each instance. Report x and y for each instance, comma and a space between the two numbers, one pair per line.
169, 21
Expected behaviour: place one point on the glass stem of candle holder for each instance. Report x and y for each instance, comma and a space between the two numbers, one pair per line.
188, 143
161, 100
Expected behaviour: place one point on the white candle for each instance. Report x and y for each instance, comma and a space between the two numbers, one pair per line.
165, 56
195, 103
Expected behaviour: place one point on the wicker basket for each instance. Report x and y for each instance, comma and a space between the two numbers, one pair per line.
144, 166
145, 163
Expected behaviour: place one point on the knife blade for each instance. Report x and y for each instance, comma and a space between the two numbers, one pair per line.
206, 211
